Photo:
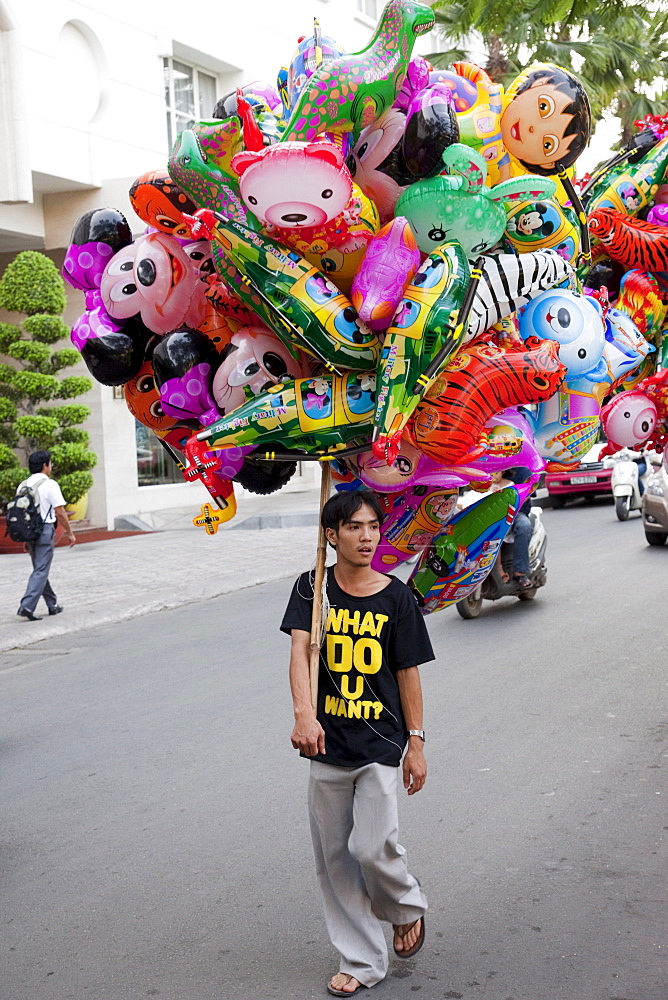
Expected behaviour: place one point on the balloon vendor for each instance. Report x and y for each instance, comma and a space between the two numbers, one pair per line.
264, 318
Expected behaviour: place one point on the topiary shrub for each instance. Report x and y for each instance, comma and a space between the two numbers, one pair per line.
31, 284
30, 377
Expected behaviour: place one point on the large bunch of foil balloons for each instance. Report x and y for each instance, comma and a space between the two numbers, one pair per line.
388, 267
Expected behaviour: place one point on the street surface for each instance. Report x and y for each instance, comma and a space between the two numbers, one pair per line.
155, 839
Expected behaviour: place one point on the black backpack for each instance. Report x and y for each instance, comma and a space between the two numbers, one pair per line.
24, 521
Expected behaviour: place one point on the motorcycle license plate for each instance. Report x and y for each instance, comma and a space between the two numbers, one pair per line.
583, 479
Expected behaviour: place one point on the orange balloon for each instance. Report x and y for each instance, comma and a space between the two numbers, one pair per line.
479, 382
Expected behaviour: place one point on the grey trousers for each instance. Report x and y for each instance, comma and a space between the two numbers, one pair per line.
360, 865
41, 553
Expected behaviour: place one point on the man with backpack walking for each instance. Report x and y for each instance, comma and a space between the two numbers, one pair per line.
41, 525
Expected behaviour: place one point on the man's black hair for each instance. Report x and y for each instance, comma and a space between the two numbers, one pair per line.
340, 508
37, 460
580, 123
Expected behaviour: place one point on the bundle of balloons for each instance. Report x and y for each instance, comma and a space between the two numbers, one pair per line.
387, 267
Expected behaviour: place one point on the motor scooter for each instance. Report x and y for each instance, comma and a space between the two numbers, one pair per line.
625, 481
500, 582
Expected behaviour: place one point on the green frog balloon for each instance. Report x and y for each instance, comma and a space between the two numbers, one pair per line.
459, 205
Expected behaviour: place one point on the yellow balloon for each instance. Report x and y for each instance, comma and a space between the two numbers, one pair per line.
544, 225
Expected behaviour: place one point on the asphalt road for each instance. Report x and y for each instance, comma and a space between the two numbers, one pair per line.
154, 831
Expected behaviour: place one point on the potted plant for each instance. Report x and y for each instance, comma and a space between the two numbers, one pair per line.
32, 384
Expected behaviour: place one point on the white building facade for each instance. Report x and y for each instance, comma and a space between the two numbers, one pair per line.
90, 94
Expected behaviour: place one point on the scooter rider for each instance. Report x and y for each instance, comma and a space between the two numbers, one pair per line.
522, 530
641, 461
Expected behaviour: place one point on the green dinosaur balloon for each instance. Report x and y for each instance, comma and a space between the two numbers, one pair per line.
348, 93
294, 299
425, 326
315, 415
459, 206
200, 164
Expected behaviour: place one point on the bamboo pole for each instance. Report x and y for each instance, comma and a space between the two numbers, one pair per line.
316, 618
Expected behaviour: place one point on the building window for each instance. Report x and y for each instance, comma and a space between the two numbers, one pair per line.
155, 467
190, 95
369, 8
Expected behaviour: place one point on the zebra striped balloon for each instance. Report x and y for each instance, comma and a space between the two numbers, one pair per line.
509, 282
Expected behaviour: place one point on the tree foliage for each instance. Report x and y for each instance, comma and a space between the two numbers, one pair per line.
619, 49
29, 378
46, 329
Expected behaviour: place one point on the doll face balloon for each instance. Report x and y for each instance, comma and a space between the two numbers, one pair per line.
153, 277
255, 358
405, 469
546, 118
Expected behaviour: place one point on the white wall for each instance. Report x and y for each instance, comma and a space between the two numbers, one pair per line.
93, 79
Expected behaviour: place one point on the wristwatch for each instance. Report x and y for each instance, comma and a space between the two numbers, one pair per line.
417, 732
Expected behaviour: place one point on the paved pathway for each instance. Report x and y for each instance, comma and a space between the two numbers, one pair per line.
109, 581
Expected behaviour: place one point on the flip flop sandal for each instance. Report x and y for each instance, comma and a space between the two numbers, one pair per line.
523, 581
418, 944
344, 993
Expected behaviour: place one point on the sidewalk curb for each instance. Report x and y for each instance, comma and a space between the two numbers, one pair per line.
261, 522
143, 573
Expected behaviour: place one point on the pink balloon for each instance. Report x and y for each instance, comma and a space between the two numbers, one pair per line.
658, 215
410, 468
511, 444
629, 419
254, 359
155, 277
390, 262
294, 185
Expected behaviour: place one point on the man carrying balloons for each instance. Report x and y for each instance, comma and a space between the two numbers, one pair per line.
369, 710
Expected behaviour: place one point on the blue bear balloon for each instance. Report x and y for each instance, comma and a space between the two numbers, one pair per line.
576, 323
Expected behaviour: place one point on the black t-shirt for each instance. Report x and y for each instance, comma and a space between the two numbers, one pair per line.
368, 639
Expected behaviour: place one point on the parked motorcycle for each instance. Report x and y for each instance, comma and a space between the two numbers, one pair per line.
495, 586
625, 482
